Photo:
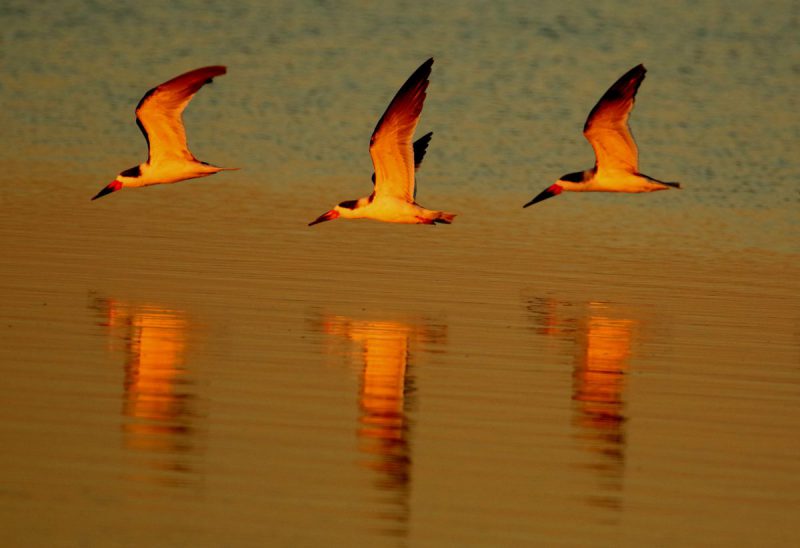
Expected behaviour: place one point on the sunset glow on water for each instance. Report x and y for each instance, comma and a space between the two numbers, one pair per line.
192, 365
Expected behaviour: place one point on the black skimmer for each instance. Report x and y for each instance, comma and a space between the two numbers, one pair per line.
158, 115
395, 159
616, 167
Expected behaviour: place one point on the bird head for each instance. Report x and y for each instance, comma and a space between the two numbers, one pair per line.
570, 181
349, 209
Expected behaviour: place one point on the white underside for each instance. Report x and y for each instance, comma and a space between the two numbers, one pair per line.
168, 172
614, 181
391, 210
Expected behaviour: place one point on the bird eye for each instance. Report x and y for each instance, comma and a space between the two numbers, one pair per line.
132, 172
576, 177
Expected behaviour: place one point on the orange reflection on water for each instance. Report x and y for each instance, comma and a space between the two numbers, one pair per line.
601, 341
600, 379
158, 393
386, 386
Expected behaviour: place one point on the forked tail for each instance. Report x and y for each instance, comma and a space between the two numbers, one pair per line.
444, 217
660, 182
216, 169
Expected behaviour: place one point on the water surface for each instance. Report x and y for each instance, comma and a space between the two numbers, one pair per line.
192, 365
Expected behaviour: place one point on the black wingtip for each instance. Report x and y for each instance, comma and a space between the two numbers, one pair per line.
426, 66
418, 81
637, 72
420, 148
422, 73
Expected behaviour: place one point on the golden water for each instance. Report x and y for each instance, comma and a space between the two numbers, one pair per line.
190, 365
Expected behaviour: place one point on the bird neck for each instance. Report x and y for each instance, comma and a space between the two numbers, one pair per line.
133, 177
353, 209
575, 181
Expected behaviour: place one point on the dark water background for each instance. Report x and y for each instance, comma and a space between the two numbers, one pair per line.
191, 365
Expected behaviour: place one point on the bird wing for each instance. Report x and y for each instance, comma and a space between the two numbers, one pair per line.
607, 125
158, 114
390, 145
420, 148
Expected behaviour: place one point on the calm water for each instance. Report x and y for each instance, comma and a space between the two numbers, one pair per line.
190, 365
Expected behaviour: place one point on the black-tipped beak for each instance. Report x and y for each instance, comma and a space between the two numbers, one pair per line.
113, 186
549, 192
328, 216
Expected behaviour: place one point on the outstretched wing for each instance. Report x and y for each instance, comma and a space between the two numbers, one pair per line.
158, 114
607, 125
420, 148
390, 146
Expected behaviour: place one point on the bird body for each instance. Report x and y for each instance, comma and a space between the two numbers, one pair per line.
617, 180
165, 172
395, 160
391, 210
616, 166
158, 116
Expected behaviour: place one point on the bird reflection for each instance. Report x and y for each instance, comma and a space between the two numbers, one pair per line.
158, 399
385, 397
601, 341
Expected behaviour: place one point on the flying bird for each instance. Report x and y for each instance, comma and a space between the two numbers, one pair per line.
616, 167
420, 148
158, 115
395, 160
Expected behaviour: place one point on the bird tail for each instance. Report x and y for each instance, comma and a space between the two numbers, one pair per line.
660, 182
217, 168
444, 217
